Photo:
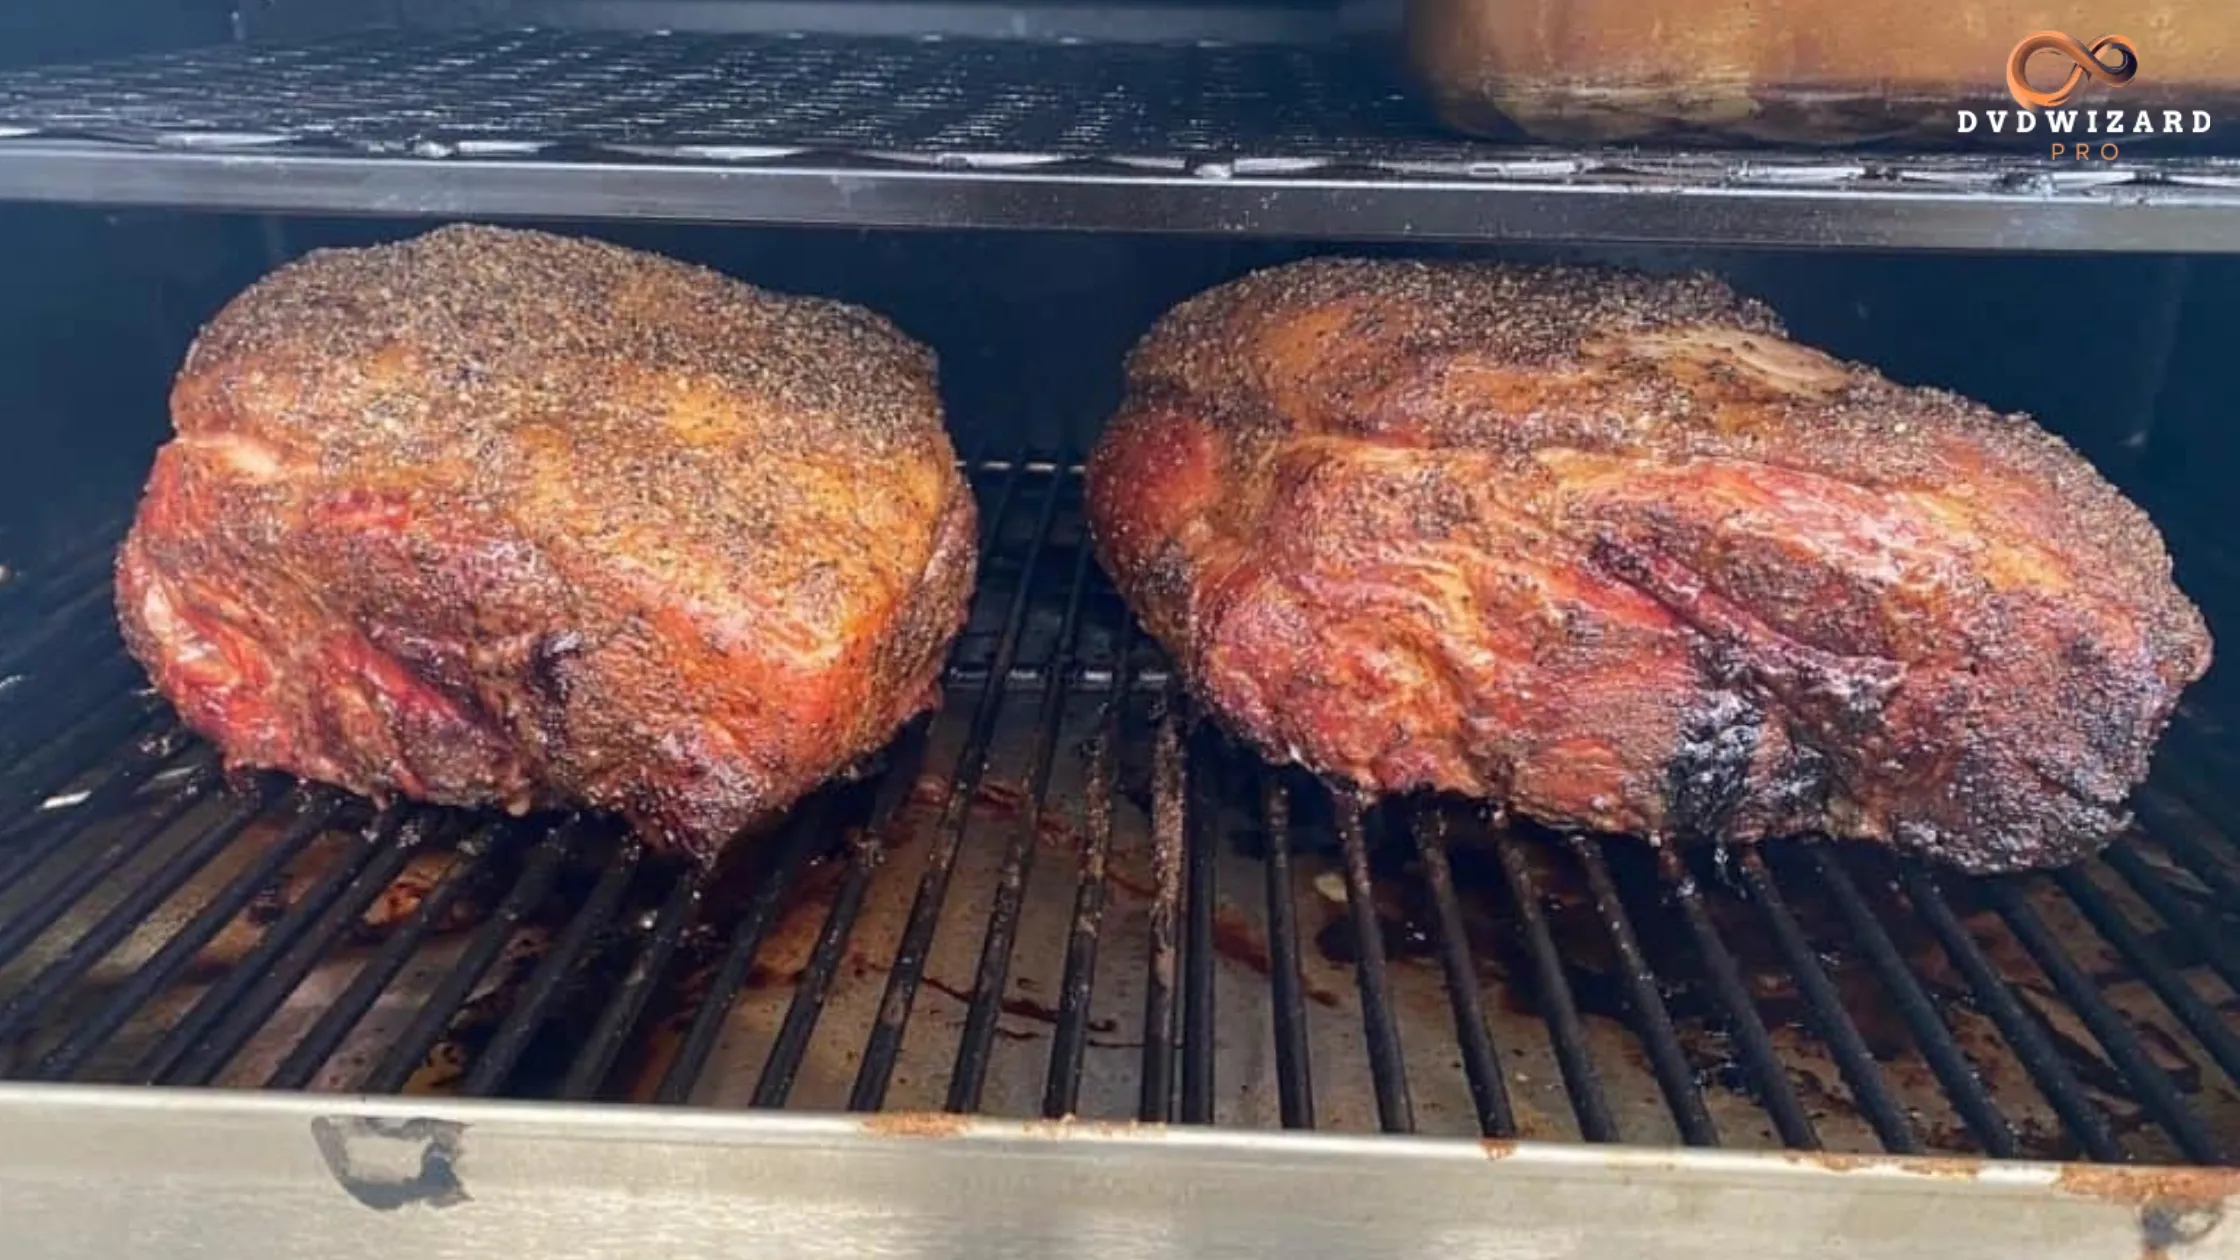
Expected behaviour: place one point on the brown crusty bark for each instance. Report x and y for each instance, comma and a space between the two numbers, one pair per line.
1610, 549
498, 517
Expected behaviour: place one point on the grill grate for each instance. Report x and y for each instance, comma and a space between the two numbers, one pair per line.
999, 103
400, 92
1063, 896
1207, 137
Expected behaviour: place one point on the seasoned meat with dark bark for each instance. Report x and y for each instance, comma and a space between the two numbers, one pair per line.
1613, 551
497, 517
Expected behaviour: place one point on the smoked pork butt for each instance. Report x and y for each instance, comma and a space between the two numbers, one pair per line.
495, 517
1611, 550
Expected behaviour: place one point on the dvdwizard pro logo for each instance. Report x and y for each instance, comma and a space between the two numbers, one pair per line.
2111, 60
2086, 64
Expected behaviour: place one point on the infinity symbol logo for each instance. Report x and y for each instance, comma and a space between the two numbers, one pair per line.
2087, 65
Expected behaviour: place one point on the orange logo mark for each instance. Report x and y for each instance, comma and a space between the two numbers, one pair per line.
2087, 64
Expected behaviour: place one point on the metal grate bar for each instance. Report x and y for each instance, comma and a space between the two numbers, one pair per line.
2147, 962
27, 1003
84, 747
1169, 788
1387, 1068
56, 899
1201, 838
994, 973
28, 855
885, 1042
1771, 1084
2174, 826
1069, 1040
85, 561
1559, 1009
2055, 1079
380, 853
1481, 1063
64, 588
81, 749
411, 1047
313, 1049
2202, 767
66, 640
2207, 746
247, 1016
535, 1003
69, 647
620, 1015
33, 695
2200, 772
1667, 1060
2154, 1086
82, 624
319, 807
44, 584
1087, 680
1868, 1088
1294, 1070
2168, 903
1953, 1071
804, 834
2209, 733
783, 1064
41, 704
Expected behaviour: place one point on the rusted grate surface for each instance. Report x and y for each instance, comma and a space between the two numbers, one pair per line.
1058, 896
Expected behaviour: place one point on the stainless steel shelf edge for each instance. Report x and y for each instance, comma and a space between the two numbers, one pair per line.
96, 1171
2130, 218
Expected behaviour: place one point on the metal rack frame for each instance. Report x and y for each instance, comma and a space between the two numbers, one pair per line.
292, 1176
1283, 140
342, 1175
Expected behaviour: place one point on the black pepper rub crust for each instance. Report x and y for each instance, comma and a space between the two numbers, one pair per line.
499, 516
1613, 549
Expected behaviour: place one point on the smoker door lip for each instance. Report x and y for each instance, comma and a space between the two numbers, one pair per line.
344, 1175
2193, 215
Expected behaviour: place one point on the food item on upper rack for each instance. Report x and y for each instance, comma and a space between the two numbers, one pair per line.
500, 517
1803, 71
1610, 549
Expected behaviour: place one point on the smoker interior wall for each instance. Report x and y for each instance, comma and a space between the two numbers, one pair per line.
2125, 356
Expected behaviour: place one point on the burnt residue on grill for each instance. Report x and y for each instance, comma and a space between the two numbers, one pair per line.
1237, 938
1033, 1015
